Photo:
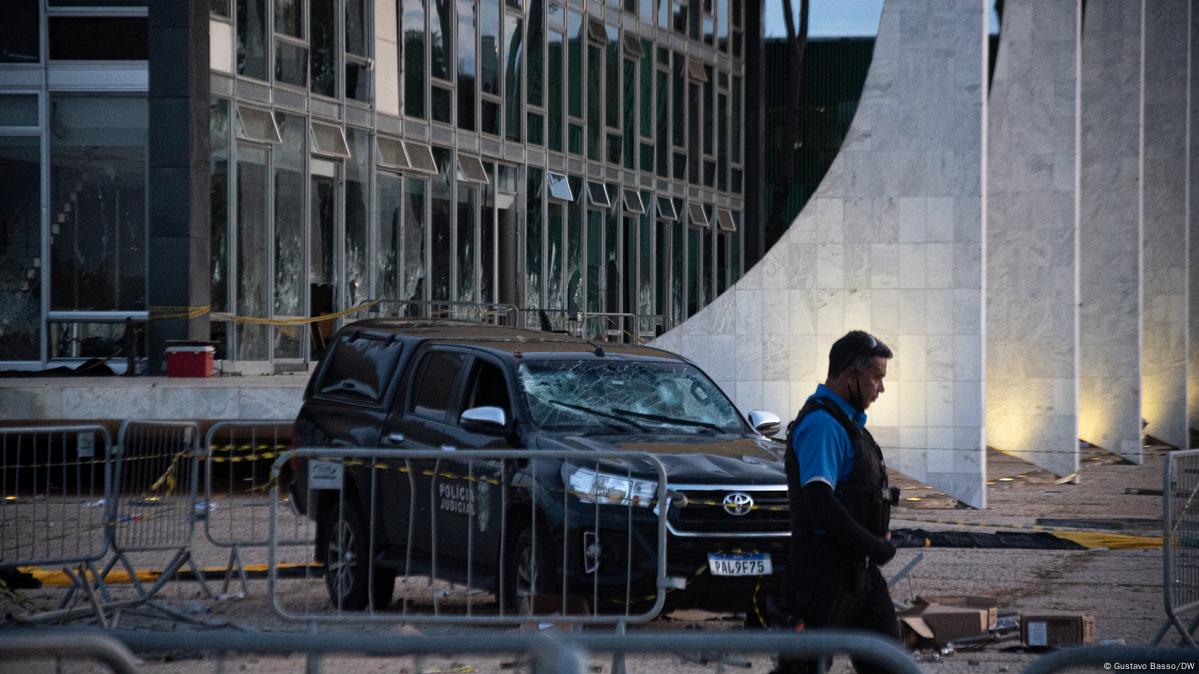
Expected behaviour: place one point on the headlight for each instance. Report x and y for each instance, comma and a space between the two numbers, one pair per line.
590, 486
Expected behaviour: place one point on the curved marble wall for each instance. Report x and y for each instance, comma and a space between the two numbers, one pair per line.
892, 243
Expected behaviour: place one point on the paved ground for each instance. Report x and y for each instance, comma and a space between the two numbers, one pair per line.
1120, 588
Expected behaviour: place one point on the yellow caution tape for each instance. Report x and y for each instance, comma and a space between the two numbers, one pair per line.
166, 313
51, 578
1099, 539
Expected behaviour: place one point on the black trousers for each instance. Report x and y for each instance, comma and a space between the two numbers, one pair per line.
839, 596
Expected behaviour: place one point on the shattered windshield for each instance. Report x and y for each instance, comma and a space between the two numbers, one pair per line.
611, 396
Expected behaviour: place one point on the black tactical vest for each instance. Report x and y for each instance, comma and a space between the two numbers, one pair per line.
866, 495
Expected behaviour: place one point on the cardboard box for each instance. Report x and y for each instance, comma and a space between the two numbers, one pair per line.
937, 621
189, 360
1054, 628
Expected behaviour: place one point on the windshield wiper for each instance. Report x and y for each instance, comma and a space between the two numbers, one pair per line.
598, 413
669, 420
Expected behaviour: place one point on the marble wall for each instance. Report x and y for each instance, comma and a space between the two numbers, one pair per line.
90, 398
1164, 227
891, 242
1032, 233
1109, 384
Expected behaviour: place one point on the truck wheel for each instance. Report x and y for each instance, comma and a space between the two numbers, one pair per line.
527, 569
347, 563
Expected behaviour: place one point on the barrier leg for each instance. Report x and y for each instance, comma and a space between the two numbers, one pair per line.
618, 657
191, 564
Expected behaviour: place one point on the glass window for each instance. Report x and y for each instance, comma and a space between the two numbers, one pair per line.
559, 187
645, 256
594, 120
323, 15
414, 58
361, 367
21, 251
466, 226
736, 122
467, 68
612, 281
19, 33
488, 223
289, 233
412, 272
512, 75
694, 255
677, 82
555, 61
646, 90
630, 114
358, 170
574, 254
218, 176
291, 63
536, 129
219, 8
595, 259
257, 125
722, 24
18, 110
553, 255
441, 227
390, 153
389, 240
435, 383
612, 79
677, 279
329, 139
536, 50
632, 202
420, 156
321, 218
574, 28
597, 194
532, 276
647, 11
696, 215
357, 35
663, 122
679, 13
442, 104
693, 131
709, 87
470, 170
252, 298
289, 17
98, 197
489, 39
126, 38
724, 219
440, 40
661, 263
722, 142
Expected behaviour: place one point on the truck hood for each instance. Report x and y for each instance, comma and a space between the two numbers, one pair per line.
688, 459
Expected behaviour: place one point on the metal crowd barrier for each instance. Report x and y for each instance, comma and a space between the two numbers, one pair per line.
441, 503
33, 648
1114, 658
237, 503
56, 503
492, 313
1180, 549
53, 494
548, 653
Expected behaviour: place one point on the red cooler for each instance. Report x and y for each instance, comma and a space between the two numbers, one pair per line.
189, 360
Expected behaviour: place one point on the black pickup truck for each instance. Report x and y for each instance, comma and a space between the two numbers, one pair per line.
523, 527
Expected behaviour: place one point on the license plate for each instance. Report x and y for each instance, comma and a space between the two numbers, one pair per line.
746, 564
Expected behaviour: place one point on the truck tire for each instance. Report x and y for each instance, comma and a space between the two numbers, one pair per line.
527, 569
347, 565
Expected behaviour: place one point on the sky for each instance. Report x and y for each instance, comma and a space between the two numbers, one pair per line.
834, 18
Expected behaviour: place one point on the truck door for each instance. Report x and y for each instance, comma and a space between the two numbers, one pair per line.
420, 422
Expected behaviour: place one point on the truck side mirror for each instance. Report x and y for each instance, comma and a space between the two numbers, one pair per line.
766, 423
486, 419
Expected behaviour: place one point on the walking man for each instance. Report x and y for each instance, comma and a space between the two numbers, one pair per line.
840, 502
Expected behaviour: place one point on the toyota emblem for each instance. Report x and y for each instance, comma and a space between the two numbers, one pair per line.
738, 503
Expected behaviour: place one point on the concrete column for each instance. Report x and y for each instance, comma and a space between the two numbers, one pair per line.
179, 185
1109, 229
1163, 211
890, 242
1192, 216
1032, 236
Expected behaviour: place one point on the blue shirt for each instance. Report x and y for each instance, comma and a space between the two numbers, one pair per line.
822, 446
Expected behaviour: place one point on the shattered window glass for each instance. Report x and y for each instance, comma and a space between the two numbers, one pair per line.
625, 397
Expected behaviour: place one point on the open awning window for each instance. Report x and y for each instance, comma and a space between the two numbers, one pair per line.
329, 140
470, 169
697, 215
695, 69
391, 153
632, 45
633, 203
257, 124
597, 194
596, 31
666, 209
559, 187
724, 220
420, 157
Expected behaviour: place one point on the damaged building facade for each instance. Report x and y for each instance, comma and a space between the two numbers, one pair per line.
186, 163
